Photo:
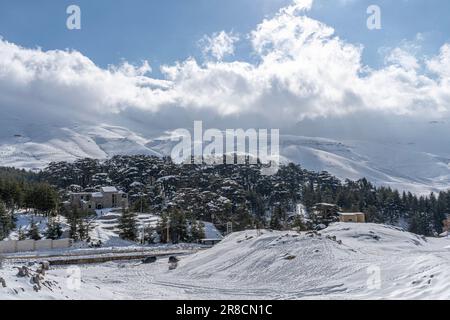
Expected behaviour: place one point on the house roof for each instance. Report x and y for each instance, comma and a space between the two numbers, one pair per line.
97, 195
323, 204
109, 189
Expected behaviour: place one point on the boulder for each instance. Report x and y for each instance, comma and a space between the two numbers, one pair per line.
149, 260
173, 266
45, 265
23, 272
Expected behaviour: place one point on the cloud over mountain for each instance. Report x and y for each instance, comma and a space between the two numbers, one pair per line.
303, 70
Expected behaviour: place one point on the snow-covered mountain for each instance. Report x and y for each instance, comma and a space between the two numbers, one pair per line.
401, 166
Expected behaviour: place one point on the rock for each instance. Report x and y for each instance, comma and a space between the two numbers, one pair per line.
3, 282
45, 265
173, 266
41, 271
290, 258
173, 259
36, 280
149, 260
23, 272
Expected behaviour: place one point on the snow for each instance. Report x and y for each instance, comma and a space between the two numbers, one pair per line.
109, 189
340, 263
211, 231
97, 195
25, 219
403, 166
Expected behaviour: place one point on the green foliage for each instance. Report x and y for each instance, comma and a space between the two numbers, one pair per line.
276, 220
197, 231
22, 235
79, 223
54, 230
128, 225
33, 233
222, 193
6, 221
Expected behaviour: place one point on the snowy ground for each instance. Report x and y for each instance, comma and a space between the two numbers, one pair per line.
104, 227
364, 261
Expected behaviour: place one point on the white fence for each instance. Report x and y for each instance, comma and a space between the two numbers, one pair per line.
14, 246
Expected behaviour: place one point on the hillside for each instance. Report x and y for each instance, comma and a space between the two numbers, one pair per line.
401, 166
278, 265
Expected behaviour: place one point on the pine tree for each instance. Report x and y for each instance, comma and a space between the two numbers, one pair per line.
54, 230
178, 226
6, 222
197, 231
128, 225
275, 221
421, 223
33, 233
73, 231
22, 235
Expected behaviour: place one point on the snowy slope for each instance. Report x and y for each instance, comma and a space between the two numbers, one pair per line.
36, 148
282, 265
401, 166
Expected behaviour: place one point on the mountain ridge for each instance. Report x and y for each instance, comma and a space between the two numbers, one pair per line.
400, 166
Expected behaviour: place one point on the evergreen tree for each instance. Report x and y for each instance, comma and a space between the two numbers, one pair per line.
54, 230
275, 222
22, 235
421, 224
33, 233
178, 226
163, 228
197, 231
128, 225
77, 220
6, 222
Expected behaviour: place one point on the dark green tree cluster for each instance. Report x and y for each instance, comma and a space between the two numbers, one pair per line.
7, 221
79, 221
128, 225
240, 195
22, 189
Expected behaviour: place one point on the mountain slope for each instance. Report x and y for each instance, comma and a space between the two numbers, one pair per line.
401, 166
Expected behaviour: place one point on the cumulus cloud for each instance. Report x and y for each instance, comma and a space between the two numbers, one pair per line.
304, 70
219, 45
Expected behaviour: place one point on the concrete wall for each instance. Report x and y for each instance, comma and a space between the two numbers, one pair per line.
43, 245
14, 246
61, 244
26, 245
8, 246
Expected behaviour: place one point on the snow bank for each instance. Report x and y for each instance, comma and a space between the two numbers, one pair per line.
345, 261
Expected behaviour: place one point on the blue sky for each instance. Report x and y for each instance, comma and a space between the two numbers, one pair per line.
166, 31
285, 69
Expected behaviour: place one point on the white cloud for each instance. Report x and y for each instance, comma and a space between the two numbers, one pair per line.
219, 45
304, 70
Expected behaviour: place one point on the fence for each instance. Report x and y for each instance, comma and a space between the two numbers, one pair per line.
13, 246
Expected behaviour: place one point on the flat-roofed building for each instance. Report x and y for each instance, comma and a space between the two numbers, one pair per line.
356, 217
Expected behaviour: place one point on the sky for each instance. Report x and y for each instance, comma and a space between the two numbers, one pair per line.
166, 31
287, 64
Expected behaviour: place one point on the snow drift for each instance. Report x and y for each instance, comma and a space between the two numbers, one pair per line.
345, 261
